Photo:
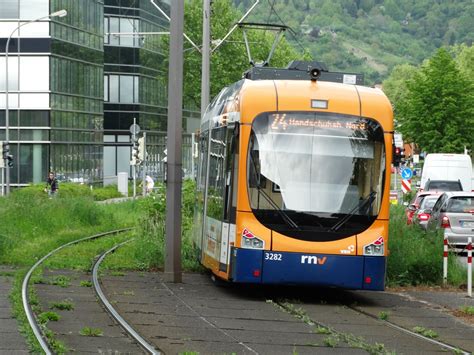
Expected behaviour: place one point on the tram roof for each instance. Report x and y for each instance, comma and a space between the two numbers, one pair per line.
251, 97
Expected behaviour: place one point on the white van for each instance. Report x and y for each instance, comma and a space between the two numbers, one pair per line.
452, 167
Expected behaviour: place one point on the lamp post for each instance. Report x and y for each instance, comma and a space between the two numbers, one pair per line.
60, 13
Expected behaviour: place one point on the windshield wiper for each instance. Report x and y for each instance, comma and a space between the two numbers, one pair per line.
283, 215
360, 204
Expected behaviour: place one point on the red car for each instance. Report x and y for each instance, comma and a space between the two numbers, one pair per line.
415, 204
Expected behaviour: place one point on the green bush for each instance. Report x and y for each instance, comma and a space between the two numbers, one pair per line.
106, 192
148, 249
416, 257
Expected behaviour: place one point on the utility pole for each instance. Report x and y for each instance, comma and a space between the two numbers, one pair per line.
206, 53
175, 117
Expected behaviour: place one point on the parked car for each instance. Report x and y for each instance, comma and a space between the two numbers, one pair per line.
422, 215
415, 204
454, 212
443, 185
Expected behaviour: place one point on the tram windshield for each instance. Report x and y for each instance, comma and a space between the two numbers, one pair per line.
313, 171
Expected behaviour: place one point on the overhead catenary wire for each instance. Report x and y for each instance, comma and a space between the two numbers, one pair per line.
293, 33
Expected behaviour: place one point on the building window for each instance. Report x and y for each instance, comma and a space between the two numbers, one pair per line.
9, 9
120, 31
121, 89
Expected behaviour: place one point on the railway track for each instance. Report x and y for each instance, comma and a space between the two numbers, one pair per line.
32, 318
198, 316
304, 312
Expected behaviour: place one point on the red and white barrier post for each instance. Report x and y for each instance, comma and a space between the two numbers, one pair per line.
445, 261
469, 267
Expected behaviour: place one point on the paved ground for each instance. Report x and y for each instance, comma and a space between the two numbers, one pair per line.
199, 316
87, 312
11, 341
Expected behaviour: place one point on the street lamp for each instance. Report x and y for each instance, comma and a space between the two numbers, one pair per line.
60, 13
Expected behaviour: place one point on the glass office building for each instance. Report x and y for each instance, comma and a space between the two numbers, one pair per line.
77, 83
55, 89
135, 73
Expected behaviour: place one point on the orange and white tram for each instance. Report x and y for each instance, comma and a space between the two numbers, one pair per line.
294, 178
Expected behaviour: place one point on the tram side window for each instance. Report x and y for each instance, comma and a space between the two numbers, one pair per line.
217, 177
232, 158
204, 144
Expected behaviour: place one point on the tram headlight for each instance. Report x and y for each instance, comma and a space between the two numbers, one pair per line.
374, 250
252, 243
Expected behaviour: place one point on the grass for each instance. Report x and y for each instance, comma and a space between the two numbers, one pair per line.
146, 251
45, 317
429, 333
91, 332
468, 310
85, 283
61, 281
416, 257
334, 337
33, 225
383, 315
66, 305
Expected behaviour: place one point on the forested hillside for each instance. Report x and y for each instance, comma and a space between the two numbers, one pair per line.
369, 36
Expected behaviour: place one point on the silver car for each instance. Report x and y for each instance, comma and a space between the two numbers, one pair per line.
454, 212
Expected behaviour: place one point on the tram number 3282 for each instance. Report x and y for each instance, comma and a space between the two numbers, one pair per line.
273, 256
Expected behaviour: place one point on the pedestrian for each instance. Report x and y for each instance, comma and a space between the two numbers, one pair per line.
52, 185
149, 184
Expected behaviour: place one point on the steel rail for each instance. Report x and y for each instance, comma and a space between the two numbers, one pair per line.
24, 288
110, 309
389, 324
412, 333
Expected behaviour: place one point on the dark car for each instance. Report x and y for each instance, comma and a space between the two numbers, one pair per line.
415, 204
443, 185
422, 215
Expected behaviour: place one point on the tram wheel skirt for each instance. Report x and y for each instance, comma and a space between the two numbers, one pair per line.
269, 267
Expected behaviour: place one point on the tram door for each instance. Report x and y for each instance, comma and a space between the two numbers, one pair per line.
219, 217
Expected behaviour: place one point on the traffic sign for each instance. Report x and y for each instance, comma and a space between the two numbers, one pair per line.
406, 174
134, 129
406, 186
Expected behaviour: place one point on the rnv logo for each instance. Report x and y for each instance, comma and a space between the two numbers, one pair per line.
310, 259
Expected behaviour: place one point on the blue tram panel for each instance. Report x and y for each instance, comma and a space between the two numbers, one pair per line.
268, 267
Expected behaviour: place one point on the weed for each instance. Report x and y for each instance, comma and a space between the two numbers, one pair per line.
469, 310
7, 273
426, 332
331, 341
38, 279
335, 337
91, 332
45, 317
383, 315
61, 281
323, 330
57, 346
86, 283
117, 273
65, 305
129, 293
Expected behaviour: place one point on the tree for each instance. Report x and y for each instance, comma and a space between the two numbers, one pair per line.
438, 113
230, 61
395, 86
